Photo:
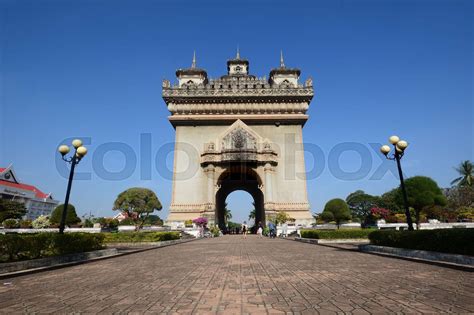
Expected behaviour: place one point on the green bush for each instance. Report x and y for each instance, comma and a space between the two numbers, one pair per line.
38, 245
336, 234
11, 224
133, 237
108, 223
454, 241
25, 224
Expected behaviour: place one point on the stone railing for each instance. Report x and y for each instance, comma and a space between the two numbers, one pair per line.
183, 108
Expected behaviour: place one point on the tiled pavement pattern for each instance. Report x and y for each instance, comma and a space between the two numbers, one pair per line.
229, 275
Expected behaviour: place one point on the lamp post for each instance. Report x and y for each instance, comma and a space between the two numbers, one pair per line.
79, 152
400, 146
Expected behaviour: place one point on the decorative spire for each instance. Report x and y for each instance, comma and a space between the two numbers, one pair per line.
193, 65
238, 53
282, 63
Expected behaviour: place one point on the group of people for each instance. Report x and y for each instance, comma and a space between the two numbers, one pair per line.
272, 230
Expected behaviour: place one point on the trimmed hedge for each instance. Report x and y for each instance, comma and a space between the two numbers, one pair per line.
336, 234
453, 241
31, 246
133, 237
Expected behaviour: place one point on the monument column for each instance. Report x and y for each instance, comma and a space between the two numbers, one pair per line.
210, 184
268, 183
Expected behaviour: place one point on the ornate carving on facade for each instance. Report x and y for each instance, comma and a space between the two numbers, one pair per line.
282, 206
238, 144
254, 107
188, 92
189, 207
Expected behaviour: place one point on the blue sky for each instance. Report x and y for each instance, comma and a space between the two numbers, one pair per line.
94, 69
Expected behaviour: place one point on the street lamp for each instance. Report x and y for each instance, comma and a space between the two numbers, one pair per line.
80, 152
400, 146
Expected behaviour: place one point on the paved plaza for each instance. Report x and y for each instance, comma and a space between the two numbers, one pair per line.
230, 275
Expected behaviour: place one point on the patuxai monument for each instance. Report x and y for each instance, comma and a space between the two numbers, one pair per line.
238, 132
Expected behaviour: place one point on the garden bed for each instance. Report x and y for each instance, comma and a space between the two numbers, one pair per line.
422, 255
16, 247
55, 261
360, 234
452, 241
142, 236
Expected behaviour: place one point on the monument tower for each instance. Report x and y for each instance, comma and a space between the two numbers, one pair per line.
238, 132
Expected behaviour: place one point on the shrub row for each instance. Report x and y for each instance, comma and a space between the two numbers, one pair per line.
336, 234
132, 237
30, 246
454, 241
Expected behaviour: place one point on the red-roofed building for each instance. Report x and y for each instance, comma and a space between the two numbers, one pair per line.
36, 202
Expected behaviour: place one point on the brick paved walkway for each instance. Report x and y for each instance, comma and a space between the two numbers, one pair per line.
233, 276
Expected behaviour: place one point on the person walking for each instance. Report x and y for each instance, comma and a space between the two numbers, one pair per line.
271, 227
284, 229
260, 229
244, 229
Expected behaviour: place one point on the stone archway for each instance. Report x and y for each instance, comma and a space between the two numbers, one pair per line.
239, 178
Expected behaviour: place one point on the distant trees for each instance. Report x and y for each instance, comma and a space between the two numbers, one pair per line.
137, 204
71, 215
336, 210
460, 197
360, 205
426, 200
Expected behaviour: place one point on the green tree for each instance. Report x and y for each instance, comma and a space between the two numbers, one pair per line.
326, 216
360, 204
10, 209
137, 203
252, 214
233, 225
390, 200
71, 216
282, 217
422, 192
339, 210
466, 170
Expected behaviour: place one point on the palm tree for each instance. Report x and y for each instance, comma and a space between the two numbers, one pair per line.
253, 212
466, 170
227, 214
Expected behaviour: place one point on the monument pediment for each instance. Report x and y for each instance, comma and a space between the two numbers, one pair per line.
239, 143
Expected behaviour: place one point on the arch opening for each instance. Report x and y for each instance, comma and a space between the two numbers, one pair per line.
239, 178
